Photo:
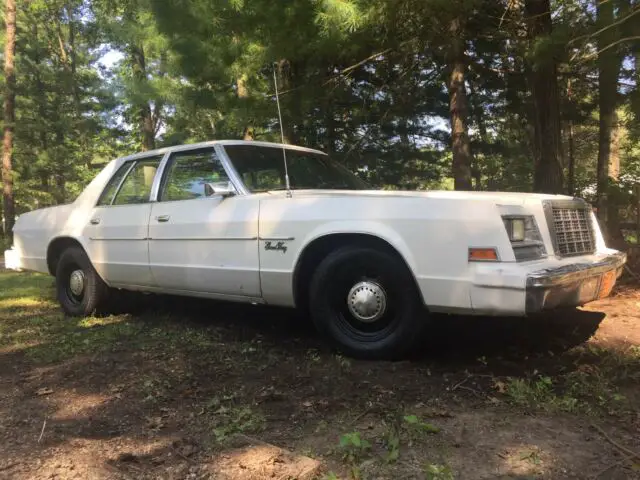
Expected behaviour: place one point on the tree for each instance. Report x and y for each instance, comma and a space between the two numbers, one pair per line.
9, 116
459, 112
543, 78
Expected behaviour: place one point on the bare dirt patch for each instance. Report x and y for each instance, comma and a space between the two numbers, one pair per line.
166, 389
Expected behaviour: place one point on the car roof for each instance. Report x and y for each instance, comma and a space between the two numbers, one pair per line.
195, 146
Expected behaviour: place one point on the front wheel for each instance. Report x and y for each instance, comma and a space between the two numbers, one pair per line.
366, 301
79, 288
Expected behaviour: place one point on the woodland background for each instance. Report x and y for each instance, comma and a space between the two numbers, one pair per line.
514, 95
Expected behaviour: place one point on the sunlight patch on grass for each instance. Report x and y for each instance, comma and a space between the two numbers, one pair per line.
17, 347
91, 322
24, 302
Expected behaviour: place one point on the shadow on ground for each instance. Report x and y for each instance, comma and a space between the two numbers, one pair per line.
451, 339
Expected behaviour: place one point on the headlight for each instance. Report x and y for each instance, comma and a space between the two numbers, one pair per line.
515, 228
524, 236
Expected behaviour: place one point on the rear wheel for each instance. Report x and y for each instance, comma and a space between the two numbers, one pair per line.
80, 289
366, 302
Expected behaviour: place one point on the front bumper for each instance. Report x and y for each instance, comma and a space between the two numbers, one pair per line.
574, 284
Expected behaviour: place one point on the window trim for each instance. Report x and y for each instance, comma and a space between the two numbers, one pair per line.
104, 189
133, 162
215, 152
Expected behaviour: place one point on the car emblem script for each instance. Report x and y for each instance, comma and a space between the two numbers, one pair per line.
276, 246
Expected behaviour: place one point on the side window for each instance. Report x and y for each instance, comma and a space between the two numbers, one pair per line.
136, 188
111, 188
260, 180
187, 174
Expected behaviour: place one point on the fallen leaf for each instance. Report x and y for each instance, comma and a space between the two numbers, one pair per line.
44, 391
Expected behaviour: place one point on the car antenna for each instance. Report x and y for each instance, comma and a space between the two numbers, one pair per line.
284, 151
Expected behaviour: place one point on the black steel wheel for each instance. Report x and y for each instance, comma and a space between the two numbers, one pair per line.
365, 300
79, 288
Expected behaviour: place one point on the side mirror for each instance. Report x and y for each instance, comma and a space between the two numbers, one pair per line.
224, 189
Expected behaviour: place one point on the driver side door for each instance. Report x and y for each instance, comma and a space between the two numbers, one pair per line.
201, 242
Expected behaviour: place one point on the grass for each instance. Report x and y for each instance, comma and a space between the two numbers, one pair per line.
32, 322
592, 387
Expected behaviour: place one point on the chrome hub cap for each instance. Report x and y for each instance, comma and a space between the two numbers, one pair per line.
367, 301
76, 282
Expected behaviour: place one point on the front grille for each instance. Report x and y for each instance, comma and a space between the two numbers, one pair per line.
572, 229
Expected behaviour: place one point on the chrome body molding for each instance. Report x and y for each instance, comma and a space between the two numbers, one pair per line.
204, 239
277, 239
572, 285
117, 239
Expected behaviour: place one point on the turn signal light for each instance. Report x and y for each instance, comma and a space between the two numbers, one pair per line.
483, 255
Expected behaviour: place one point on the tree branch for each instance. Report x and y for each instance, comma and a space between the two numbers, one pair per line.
611, 45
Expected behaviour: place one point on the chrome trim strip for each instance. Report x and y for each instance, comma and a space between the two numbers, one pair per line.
155, 186
277, 239
575, 272
192, 239
115, 194
103, 239
232, 173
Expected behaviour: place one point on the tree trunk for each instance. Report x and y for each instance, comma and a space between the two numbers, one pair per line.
484, 139
547, 144
609, 62
572, 161
243, 95
9, 117
145, 114
458, 109
41, 100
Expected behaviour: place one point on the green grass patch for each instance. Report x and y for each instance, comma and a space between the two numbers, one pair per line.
594, 386
32, 321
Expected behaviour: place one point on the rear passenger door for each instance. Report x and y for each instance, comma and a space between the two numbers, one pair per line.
117, 230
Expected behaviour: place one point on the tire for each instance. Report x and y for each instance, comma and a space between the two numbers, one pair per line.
390, 326
94, 291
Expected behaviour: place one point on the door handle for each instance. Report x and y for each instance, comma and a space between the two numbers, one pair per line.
94, 221
163, 218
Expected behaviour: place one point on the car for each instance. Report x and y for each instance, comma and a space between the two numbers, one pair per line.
274, 224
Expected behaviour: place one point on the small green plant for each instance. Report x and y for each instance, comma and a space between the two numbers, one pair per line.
531, 456
354, 447
237, 420
393, 447
435, 471
314, 355
539, 393
415, 424
344, 362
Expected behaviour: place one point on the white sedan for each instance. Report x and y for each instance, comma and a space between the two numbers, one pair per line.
227, 220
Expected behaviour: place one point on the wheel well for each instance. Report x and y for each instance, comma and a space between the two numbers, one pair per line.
56, 247
318, 249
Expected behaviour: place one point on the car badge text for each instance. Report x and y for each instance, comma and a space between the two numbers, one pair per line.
276, 246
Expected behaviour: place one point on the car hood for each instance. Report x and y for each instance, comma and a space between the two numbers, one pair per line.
508, 198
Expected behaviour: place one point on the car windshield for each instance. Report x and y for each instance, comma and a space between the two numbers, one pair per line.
262, 169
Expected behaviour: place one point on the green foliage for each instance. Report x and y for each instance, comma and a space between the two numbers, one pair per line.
435, 471
354, 448
415, 423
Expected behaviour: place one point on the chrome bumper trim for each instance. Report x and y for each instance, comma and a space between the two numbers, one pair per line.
567, 285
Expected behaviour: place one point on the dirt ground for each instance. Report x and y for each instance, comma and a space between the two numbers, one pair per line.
180, 389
